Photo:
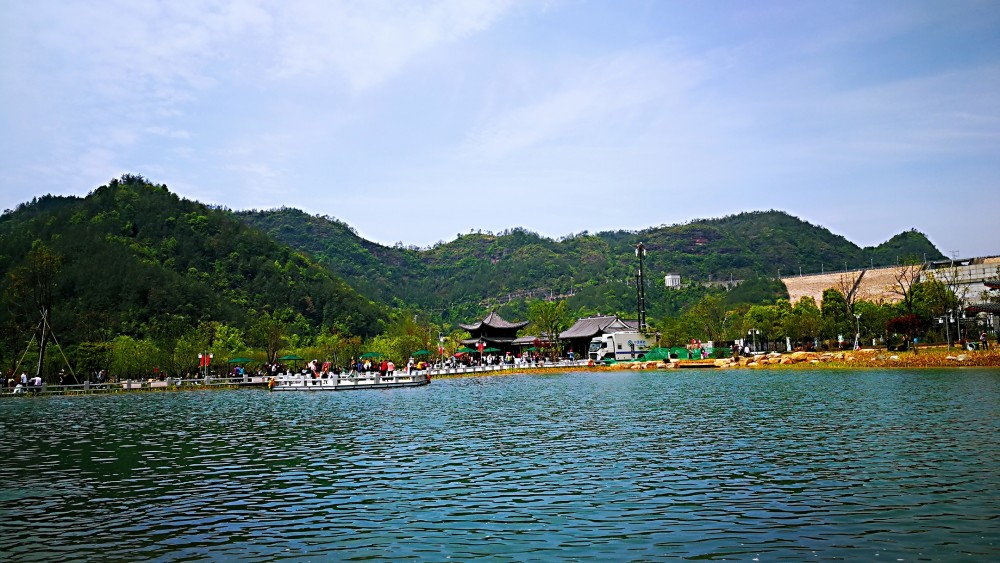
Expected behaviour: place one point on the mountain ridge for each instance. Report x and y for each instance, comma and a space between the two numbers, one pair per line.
743, 245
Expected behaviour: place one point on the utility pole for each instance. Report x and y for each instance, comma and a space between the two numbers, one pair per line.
640, 251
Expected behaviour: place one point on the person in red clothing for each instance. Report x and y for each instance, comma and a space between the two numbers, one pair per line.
383, 368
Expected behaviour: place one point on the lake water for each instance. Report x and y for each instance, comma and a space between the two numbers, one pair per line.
612, 466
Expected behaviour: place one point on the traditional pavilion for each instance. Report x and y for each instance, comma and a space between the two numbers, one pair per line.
577, 337
493, 332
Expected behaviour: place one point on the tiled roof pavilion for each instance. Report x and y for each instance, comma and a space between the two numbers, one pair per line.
590, 327
578, 336
494, 320
493, 331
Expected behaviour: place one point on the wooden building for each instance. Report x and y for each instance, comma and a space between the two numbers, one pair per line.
493, 332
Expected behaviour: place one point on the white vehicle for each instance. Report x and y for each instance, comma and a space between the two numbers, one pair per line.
624, 345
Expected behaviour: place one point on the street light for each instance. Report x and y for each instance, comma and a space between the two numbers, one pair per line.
857, 334
946, 319
753, 332
205, 359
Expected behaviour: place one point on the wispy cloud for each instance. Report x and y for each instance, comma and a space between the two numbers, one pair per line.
368, 42
589, 103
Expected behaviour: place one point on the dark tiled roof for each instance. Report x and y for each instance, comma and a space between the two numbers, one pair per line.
496, 321
505, 340
592, 326
984, 308
530, 340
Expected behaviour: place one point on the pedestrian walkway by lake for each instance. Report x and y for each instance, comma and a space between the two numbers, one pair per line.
602, 466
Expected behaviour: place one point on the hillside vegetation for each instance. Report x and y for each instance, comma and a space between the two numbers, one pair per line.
596, 269
135, 259
134, 271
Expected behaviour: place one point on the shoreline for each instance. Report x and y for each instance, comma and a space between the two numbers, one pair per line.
863, 359
854, 360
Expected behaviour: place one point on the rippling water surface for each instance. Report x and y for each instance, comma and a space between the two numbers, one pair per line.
740, 465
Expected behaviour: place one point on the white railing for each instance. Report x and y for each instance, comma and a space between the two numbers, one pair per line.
223, 382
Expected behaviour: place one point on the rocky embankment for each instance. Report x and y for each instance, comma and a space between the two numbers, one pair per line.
853, 359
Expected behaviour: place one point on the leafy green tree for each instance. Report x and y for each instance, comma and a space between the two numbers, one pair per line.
133, 358
763, 323
836, 315
707, 317
227, 341
190, 345
873, 320
804, 322
932, 298
32, 285
92, 357
549, 318
269, 331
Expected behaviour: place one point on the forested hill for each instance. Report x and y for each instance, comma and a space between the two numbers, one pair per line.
133, 258
480, 266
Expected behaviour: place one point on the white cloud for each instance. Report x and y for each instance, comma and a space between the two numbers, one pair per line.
368, 42
591, 104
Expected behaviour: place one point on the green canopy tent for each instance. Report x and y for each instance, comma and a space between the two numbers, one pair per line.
465, 350
292, 358
490, 350
240, 360
367, 355
420, 353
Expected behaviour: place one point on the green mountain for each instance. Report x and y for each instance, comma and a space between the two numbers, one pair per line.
596, 269
136, 259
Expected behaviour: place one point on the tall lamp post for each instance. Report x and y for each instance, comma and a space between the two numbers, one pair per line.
640, 251
857, 333
205, 359
441, 347
947, 328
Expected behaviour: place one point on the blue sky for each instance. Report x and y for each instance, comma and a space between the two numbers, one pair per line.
416, 121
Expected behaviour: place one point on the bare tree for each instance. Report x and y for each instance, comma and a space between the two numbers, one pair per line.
849, 284
905, 276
